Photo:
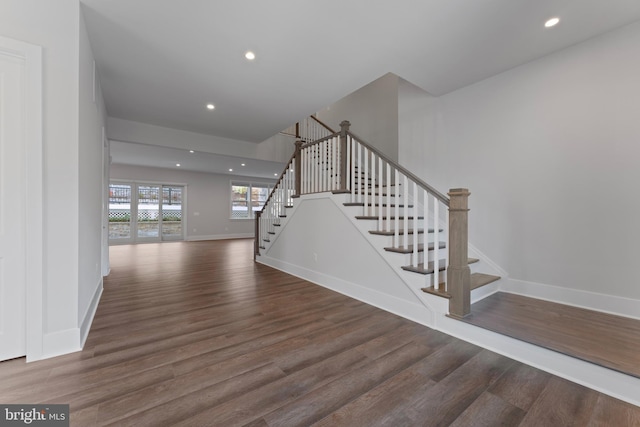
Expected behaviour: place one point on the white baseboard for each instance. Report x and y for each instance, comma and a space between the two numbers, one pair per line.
61, 342
90, 313
403, 308
574, 297
221, 237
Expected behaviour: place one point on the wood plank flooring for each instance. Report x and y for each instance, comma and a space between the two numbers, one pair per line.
600, 338
197, 334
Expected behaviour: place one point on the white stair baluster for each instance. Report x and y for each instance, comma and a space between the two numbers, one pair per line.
405, 221
366, 180
396, 210
389, 200
415, 210
436, 243
381, 195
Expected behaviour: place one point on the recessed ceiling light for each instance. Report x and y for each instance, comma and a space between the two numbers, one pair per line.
191, 151
230, 170
250, 56
275, 174
552, 22
242, 164
210, 106
178, 164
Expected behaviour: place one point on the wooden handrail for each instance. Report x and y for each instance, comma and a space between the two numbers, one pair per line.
438, 195
323, 124
320, 141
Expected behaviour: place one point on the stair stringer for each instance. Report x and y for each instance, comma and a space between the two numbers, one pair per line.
300, 249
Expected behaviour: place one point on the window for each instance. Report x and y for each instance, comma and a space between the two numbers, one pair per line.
248, 198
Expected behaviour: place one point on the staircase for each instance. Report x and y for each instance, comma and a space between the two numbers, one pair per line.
422, 232
421, 235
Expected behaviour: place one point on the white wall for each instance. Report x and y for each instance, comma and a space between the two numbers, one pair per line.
419, 151
208, 194
319, 242
373, 113
54, 25
92, 118
278, 148
550, 153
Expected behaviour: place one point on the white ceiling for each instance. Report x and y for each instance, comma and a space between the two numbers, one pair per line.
161, 61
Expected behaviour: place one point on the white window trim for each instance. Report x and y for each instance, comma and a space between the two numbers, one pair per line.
250, 184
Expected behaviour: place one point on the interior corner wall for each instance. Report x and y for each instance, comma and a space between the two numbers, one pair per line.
90, 170
278, 148
373, 113
208, 214
418, 148
549, 151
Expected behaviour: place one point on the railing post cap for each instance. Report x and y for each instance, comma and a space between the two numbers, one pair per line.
345, 124
458, 192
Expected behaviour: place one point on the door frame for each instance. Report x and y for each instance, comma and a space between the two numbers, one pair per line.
34, 230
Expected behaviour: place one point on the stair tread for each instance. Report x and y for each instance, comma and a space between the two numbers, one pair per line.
384, 205
392, 232
409, 248
437, 292
481, 279
420, 268
400, 218
477, 280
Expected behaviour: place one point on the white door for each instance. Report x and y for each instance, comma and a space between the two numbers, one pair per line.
12, 207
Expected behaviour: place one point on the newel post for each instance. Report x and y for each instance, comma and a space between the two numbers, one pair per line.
344, 128
458, 272
298, 167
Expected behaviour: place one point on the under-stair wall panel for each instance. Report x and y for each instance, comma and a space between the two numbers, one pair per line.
320, 243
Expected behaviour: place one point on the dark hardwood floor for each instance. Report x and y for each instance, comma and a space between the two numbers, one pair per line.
197, 334
600, 338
